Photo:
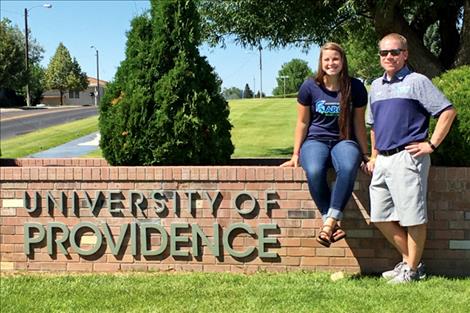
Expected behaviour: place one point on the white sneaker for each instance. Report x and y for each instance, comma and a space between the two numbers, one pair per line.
421, 270
398, 268
406, 275
395, 272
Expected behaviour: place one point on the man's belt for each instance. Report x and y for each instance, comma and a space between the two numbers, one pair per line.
392, 151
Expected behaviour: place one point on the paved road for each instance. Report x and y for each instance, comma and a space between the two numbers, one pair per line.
18, 122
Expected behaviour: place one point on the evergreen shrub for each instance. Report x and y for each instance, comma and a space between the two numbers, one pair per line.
455, 149
165, 105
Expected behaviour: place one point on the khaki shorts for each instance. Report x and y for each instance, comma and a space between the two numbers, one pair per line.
398, 189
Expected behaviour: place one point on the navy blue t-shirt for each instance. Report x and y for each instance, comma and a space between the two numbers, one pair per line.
324, 107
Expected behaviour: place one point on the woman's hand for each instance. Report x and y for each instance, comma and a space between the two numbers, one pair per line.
293, 162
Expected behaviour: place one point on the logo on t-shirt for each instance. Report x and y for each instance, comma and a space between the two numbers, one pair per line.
327, 108
401, 92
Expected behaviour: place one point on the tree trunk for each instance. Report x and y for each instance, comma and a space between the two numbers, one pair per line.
463, 55
61, 97
450, 39
388, 19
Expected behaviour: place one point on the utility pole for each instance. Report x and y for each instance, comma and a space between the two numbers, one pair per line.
26, 58
26, 49
260, 73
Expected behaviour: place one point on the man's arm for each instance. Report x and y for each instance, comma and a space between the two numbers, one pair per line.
443, 125
444, 122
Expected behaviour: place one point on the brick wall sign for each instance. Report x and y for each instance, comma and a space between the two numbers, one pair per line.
83, 215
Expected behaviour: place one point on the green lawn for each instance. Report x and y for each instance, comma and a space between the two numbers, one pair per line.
44, 139
261, 128
195, 292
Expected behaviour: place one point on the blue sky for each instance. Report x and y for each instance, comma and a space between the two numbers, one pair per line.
80, 24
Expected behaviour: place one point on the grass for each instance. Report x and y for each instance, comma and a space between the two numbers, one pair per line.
44, 139
93, 154
261, 128
222, 292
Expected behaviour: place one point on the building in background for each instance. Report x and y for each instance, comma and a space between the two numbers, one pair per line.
73, 97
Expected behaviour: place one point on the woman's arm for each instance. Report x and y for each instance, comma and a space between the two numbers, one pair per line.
303, 121
374, 152
360, 129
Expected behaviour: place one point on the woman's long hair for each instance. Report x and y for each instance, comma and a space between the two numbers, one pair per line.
345, 114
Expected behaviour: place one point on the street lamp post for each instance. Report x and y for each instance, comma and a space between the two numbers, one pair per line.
284, 77
97, 75
26, 49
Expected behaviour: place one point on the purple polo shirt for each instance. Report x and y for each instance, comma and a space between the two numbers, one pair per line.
400, 109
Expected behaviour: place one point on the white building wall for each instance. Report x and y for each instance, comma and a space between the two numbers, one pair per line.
52, 97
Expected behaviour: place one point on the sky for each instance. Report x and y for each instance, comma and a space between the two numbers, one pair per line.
103, 24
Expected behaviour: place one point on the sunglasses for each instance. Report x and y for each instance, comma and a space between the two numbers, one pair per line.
394, 52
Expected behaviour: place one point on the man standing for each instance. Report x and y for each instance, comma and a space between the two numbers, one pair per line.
400, 106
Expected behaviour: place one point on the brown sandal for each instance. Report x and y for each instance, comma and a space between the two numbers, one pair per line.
338, 234
324, 237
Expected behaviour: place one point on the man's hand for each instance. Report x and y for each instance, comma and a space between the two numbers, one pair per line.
417, 149
368, 167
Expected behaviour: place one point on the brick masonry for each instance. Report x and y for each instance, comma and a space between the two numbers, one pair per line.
365, 250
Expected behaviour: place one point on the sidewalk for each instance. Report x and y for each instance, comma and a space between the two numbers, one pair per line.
40, 107
74, 148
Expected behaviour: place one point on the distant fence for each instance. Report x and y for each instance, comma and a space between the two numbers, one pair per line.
83, 215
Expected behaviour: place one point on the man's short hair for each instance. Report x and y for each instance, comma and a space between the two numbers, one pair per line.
396, 36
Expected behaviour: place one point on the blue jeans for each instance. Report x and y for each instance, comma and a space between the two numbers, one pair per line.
316, 157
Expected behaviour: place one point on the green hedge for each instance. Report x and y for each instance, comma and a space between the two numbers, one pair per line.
455, 149
165, 105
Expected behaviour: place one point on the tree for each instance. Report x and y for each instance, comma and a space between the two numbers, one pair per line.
232, 93
360, 44
295, 72
306, 22
13, 76
257, 95
165, 105
12, 66
247, 92
63, 73
77, 79
36, 82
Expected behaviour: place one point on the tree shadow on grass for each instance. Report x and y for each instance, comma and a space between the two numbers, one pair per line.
281, 151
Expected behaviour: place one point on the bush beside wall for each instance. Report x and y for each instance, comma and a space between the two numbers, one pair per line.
455, 150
